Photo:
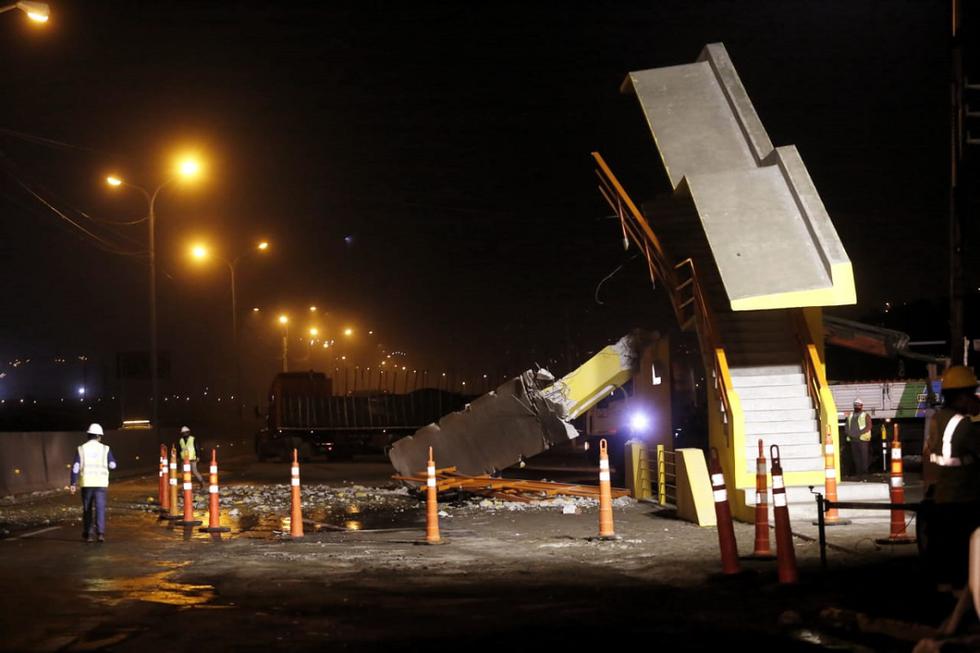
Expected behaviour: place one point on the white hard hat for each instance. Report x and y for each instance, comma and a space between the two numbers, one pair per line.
95, 429
184, 429
858, 402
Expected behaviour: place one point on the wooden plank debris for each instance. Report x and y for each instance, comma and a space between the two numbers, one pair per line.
508, 489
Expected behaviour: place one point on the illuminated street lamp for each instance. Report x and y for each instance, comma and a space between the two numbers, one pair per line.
39, 12
186, 168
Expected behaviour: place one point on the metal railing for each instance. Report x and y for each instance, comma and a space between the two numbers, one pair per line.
666, 475
686, 297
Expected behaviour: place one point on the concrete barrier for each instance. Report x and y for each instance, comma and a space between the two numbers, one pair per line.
41, 460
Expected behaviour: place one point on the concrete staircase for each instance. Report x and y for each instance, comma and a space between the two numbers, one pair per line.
764, 356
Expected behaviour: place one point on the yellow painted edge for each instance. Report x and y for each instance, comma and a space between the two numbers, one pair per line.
695, 500
840, 293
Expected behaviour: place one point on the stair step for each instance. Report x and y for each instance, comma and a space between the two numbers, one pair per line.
787, 438
846, 491
799, 450
750, 359
772, 379
741, 371
776, 403
773, 391
766, 416
766, 430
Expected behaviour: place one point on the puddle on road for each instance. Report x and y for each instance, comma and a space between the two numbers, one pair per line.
152, 588
346, 518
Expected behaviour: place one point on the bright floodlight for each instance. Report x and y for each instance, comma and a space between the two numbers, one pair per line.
39, 12
113, 181
283, 319
639, 422
264, 245
314, 332
189, 168
348, 331
312, 309
199, 252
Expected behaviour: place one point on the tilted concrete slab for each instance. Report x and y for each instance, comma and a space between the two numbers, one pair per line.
769, 232
523, 417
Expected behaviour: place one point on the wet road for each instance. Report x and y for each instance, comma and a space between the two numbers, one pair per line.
515, 578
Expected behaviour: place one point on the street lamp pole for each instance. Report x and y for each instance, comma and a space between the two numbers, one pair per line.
187, 168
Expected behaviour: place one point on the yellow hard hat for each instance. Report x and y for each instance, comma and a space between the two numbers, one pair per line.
959, 376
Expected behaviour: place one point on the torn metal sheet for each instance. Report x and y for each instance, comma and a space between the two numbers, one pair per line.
523, 417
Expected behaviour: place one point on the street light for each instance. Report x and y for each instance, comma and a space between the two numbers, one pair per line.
39, 12
284, 321
186, 169
201, 252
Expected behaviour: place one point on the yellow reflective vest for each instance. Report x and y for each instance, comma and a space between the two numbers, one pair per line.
187, 448
93, 464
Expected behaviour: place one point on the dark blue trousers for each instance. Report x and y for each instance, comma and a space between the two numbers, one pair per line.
93, 503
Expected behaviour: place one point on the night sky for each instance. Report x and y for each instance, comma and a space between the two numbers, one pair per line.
423, 170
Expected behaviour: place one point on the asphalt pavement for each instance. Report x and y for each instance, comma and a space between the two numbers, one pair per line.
507, 575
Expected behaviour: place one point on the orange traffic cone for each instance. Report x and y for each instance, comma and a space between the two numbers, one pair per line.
431, 503
172, 499
296, 508
896, 495
762, 550
162, 488
723, 513
606, 530
831, 517
188, 520
214, 505
785, 554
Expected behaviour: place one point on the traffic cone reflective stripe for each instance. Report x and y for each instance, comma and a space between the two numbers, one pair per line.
726, 531
214, 502
831, 517
188, 519
785, 553
606, 528
431, 503
296, 511
762, 547
896, 494
162, 488
173, 483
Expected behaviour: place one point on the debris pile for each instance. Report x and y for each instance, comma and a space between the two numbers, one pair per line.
508, 489
277, 497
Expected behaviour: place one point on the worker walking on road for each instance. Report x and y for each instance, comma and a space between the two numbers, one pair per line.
952, 477
93, 460
859, 434
189, 452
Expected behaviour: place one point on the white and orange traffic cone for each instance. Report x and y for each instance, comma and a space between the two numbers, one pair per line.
785, 553
831, 517
188, 520
723, 513
172, 514
896, 492
162, 488
762, 549
431, 503
296, 506
214, 503
606, 529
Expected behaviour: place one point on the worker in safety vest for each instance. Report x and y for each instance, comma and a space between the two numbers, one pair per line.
951, 473
859, 434
189, 451
93, 460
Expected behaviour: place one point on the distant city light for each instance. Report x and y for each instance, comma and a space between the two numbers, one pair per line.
81, 390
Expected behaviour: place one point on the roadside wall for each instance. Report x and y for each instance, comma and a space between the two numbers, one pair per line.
41, 460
